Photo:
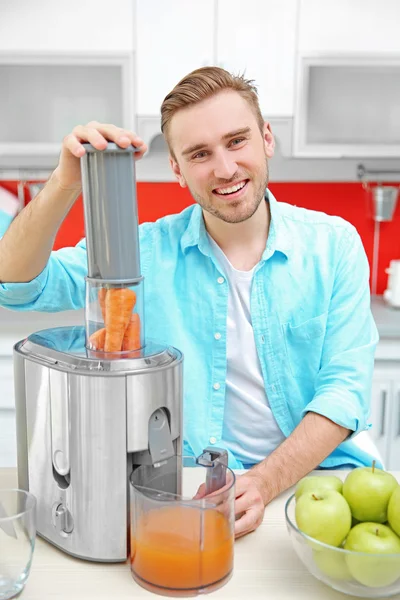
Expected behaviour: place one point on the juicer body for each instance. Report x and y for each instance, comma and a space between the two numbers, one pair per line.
94, 403
83, 425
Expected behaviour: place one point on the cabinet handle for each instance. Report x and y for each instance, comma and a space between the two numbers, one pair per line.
398, 413
383, 412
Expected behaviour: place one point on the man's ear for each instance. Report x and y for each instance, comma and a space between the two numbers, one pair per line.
177, 172
269, 140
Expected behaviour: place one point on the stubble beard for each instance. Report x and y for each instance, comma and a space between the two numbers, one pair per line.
239, 211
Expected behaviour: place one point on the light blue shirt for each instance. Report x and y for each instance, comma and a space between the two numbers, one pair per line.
310, 310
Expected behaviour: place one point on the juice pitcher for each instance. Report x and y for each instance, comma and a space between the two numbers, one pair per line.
182, 544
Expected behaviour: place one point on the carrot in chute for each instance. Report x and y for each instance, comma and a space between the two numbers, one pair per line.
97, 339
119, 303
102, 301
131, 339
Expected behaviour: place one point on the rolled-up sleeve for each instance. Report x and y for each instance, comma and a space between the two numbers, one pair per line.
60, 286
343, 384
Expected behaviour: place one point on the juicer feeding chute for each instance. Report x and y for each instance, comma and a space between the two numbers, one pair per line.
114, 285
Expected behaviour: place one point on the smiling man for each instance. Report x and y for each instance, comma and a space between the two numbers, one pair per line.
269, 302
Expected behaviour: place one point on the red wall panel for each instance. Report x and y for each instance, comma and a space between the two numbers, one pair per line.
348, 200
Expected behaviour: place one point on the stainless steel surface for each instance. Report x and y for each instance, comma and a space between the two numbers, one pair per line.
85, 428
364, 174
64, 348
59, 419
146, 393
383, 412
384, 202
96, 494
21, 420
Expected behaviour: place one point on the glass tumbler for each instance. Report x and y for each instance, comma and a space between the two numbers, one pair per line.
17, 540
181, 544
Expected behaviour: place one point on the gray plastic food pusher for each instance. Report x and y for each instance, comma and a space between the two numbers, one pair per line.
111, 216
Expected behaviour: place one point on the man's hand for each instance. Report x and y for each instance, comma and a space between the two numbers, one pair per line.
251, 499
68, 171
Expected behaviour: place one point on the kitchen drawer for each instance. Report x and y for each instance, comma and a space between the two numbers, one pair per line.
8, 443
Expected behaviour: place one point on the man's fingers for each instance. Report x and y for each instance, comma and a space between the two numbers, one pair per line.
99, 135
248, 522
201, 492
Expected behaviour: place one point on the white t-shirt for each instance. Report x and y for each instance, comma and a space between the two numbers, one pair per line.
250, 430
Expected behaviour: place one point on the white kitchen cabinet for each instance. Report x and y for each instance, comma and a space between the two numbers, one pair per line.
76, 25
379, 417
349, 26
176, 37
394, 426
172, 39
259, 38
385, 412
46, 95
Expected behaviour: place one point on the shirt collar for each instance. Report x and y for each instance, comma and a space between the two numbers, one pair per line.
279, 239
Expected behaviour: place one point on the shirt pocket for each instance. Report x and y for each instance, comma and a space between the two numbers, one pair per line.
304, 343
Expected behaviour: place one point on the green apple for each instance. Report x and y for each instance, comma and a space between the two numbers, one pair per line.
313, 483
394, 511
323, 515
332, 563
367, 490
378, 540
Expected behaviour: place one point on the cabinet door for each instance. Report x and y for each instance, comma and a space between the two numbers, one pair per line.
47, 95
340, 26
394, 439
380, 415
173, 38
259, 38
76, 25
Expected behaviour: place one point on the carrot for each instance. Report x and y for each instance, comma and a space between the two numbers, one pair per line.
102, 301
131, 339
97, 339
118, 307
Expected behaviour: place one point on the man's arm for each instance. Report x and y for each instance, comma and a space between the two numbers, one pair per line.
308, 445
26, 246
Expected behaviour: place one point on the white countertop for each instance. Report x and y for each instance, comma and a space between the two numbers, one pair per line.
266, 567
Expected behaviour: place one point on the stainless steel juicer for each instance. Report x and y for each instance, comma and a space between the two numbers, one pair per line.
88, 416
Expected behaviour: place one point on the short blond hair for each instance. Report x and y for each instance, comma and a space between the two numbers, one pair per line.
204, 83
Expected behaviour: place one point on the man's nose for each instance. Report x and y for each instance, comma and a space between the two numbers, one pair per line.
224, 167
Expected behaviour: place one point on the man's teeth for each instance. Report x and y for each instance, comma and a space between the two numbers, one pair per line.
232, 189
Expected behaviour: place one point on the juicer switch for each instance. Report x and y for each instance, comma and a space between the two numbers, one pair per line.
62, 519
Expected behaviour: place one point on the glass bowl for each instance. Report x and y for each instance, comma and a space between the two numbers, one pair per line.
360, 574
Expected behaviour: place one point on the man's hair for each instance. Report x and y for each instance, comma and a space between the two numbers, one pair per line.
202, 84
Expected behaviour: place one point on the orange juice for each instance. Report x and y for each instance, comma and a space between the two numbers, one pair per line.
181, 547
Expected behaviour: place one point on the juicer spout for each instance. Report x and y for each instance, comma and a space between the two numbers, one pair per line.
217, 461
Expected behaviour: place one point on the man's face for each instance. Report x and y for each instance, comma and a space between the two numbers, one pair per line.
221, 155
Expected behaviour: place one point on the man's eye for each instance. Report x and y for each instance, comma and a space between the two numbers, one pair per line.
237, 141
200, 154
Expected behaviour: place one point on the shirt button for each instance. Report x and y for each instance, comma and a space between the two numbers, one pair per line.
216, 386
220, 280
213, 440
217, 336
